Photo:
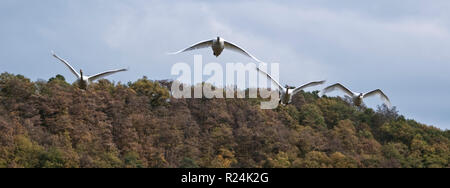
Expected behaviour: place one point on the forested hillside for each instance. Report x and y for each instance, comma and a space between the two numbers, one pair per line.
55, 124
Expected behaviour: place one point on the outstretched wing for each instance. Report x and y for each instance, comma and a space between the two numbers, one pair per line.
103, 74
236, 48
383, 96
203, 44
311, 84
67, 64
337, 86
271, 78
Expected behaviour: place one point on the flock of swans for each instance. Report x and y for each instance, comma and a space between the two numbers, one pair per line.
218, 45
286, 92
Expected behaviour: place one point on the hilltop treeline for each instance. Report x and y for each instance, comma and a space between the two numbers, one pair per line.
55, 124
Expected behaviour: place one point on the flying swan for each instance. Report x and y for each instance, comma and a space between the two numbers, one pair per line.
357, 97
218, 45
287, 92
85, 80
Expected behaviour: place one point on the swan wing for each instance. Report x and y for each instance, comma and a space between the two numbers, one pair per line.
338, 86
310, 84
200, 45
271, 78
236, 48
103, 74
67, 64
383, 96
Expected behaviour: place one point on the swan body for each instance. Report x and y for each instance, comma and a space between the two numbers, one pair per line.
287, 92
217, 45
358, 97
84, 80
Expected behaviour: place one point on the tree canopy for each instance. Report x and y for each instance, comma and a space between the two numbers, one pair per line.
55, 124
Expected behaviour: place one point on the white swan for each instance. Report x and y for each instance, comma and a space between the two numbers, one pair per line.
218, 45
85, 80
358, 97
287, 92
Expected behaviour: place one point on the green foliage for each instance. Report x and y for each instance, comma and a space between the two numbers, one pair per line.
16, 86
281, 160
26, 153
188, 163
335, 110
153, 90
3, 163
224, 159
345, 138
57, 78
56, 125
108, 159
395, 154
315, 159
311, 115
55, 158
104, 85
339, 160
132, 160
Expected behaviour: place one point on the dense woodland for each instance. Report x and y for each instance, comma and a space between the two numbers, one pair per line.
52, 123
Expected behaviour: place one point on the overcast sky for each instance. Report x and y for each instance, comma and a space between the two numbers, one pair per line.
402, 47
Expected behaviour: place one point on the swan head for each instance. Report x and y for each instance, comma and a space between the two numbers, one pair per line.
289, 87
81, 74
